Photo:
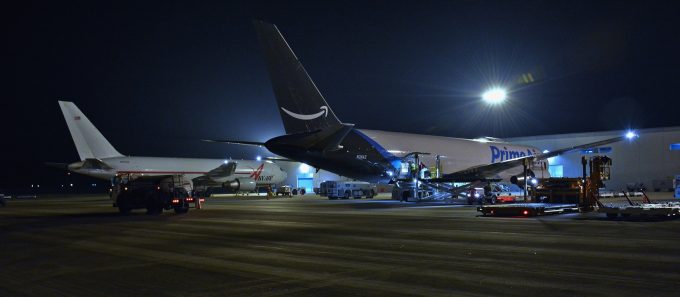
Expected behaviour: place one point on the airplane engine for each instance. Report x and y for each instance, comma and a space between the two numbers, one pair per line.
518, 179
240, 185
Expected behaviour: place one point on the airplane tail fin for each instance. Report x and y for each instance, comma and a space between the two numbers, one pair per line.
301, 105
89, 142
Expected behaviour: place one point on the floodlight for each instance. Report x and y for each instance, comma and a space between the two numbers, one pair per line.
495, 95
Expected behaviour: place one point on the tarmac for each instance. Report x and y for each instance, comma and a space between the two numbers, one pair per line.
81, 246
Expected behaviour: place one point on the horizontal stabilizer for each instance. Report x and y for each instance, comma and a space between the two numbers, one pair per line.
332, 141
260, 144
89, 163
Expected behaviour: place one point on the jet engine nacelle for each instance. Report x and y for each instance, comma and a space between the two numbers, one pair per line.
240, 185
518, 179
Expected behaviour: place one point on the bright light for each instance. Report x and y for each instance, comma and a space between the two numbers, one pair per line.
304, 168
534, 181
494, 95
226, 161
546, 151
631, 135
258, 158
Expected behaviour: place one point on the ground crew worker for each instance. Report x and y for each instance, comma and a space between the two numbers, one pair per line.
413, 169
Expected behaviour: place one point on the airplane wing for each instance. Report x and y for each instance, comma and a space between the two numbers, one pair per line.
486, 172
221, 172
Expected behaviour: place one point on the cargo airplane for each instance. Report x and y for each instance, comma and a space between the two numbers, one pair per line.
99, 159
315, 136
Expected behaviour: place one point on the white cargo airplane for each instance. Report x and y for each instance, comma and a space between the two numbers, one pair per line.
100, 159
315, 136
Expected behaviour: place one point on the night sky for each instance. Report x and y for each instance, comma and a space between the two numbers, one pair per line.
157, 77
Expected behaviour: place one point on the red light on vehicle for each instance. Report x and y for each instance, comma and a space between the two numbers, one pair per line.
158, 188
525, 212
492, 212
175, 201
201, 200
190, 199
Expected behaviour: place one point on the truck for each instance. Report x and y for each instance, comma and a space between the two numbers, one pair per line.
347, 189
284, 191
152, 193
490, 194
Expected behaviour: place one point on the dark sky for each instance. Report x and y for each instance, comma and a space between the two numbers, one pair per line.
156, 77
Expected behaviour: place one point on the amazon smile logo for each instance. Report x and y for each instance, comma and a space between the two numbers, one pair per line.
307, 117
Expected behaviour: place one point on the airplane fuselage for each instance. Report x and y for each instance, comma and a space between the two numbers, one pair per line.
262, 172
377, 156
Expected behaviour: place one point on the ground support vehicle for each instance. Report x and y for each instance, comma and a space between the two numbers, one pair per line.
154, 194
284, 191
647, 209
526, 209
488, 194
347, 189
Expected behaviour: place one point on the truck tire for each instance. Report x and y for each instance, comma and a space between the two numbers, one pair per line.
122, 204
154, 206
370, 194
493, 199
347, 194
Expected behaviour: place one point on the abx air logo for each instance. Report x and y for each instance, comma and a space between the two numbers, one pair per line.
256, 175
257, 172
307, 117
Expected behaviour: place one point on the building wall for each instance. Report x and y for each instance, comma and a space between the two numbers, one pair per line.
297, 170
643, 160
